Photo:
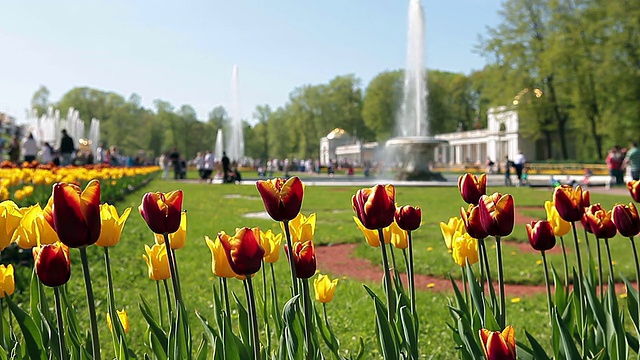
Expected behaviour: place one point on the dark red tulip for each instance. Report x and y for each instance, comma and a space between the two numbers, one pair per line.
304, 259
375, 207
52, 264
243, 250
76, 213
499, 345
600, 222
634, 189
541, 235
497, 214
471, 219
162, 211
472, 187
625, 217
569, 202
408, 217
584, 220
282, 198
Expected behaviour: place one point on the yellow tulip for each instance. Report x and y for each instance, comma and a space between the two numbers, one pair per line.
47, 234
178, 238
157, 262
124, 320
7, 281
325, 288
449, 230
112, 225
271, 244
9, 221
26, 234
219, 261
464, 250
302, 228
560, 226
398, 236
372, 235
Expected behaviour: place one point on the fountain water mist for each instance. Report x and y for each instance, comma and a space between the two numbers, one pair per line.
412, 151
219, 147
235, 143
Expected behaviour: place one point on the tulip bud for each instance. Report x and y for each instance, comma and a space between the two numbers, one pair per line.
112, 225
568, 202
449, 230
471, 221
585, 221
375, 207
325, 288
541, 235
76, 213
600, 222
52, 264
464, 250
243, 250
157, 262
270, 242
625, 217
497, 214
304, 259
399, 237
408, 217
9, 222
634, 189
560, 226
219, 262
472, 188
282, 198
7, 281
499, 345
162, 212
124, 320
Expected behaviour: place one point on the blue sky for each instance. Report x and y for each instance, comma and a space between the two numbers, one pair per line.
184, 52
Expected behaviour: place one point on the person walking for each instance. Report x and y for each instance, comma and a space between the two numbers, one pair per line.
165, 164
175, 162
199, 161
225, 168
29, 148
14, 150
518, 162
507, 171
67, 148
208, 165
46, 154
614, 164
632, 160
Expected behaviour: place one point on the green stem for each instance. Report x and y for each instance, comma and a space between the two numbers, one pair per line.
324, 312
580, 291
387, 278
175, 266
292, 267
546, 282
481, 260
600, 276
265, 307
487, 265
606, 244
586, 240
308, 311
174, 277
578, 257
464, 285
412, 276
227, 307
254, 318
275, 288
503, 310
111, 303
63, 352
396, 273
566, 265
166, 292
635, 257
95, 338
159, 303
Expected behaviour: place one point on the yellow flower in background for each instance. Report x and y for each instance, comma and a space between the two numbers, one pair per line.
560, 226
9, 221
302, 228
179, 238
449, 230
7, 281
270, 242
399, 237
157, 262
372, 235
464, 250
124, 320
112, 225
325, 288
18, 194
219, 261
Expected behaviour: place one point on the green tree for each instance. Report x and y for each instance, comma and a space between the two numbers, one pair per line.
381, 103
40, 100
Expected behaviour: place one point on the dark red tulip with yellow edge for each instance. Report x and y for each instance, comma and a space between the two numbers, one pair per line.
408, 217
472, 187
625, 217
569, 202
471, 219
76, 213
541, 235
162, 211
600, 222
585, 221
304, 259
586, 200
375, 207
243, 250
499, 345
282, 198
52, 264
634, 189
497, 214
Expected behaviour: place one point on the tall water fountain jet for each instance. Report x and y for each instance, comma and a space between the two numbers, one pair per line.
412, 150
219, 147
235, 143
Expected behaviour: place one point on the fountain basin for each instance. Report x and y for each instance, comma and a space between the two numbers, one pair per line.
413, 156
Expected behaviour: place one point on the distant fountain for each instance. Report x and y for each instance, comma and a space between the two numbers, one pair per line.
219, 147
235, 143
48, 128
412, 150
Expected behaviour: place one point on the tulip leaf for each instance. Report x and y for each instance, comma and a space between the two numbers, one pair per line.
560, 296
386, 334
632, 303
327, 335
567, 341
462, 304
209, 332
293, 335
243, 320
155, 328
201, 354
476, 295
275, 312
537, 350
158, 347
408, 329
632, 341
524, 353
31, 334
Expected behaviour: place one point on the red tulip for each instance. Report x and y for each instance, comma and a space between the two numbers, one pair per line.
52, 264
586, 200
541, 235
375, 207
584, 220
600, 222
472, 188
282, 198
569, 202
408, 217
625, 217
162, 211
499, 345
471, 219
634, 189
304, 259
497, 214
243, 250
76, 213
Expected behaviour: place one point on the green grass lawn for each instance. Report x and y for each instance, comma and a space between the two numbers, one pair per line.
213, 208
